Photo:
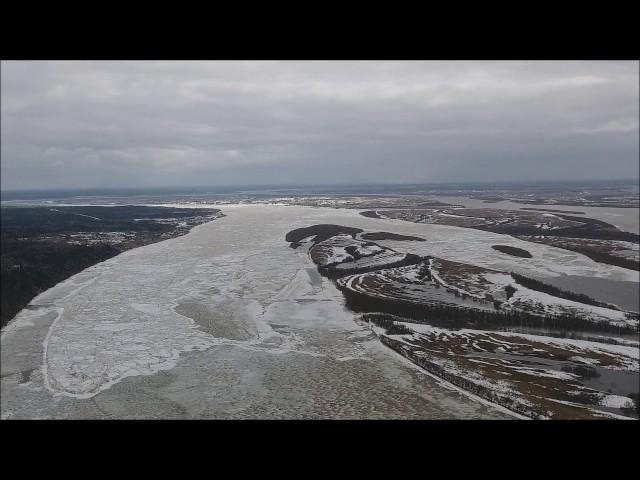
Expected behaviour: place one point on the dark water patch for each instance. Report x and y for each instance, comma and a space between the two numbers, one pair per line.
221, 323
552, 210
624, 294
314, 277
584, 371
513, 251
280, 328
539, 286
616, 382
25, 375
370, 214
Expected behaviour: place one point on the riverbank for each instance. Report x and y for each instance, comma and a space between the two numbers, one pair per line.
43, 246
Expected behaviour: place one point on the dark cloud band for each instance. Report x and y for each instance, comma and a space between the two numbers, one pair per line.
84, 124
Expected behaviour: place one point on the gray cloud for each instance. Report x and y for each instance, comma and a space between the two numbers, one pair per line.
101, 124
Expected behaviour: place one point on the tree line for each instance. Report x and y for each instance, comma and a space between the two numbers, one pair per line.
449, 316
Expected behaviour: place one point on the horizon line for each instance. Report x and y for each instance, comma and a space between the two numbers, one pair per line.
317, 185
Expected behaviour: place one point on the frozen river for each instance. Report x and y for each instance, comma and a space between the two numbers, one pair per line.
229, 322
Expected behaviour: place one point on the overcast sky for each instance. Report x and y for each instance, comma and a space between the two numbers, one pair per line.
127, 124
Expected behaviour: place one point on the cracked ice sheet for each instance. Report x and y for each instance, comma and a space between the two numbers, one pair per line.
118, 319
124, 324
121, 324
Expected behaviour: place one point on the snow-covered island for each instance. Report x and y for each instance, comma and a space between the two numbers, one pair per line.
537, 350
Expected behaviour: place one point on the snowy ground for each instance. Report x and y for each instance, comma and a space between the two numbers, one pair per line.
229, 322
534, 373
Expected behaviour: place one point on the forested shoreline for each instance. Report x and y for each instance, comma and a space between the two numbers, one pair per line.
42, 246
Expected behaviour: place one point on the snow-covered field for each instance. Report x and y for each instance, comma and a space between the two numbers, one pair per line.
229, 322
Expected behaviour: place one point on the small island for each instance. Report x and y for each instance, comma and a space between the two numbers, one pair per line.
513, 251
390, 236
